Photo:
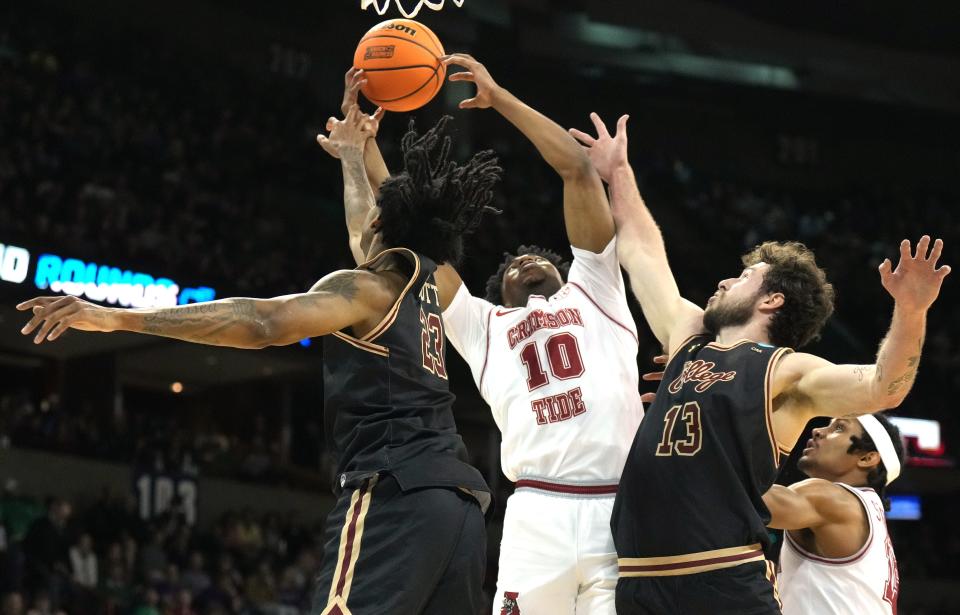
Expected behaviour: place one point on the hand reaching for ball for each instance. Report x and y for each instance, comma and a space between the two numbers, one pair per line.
350, 133
487, 88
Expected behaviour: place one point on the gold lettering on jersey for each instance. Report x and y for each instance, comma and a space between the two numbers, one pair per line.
430, 294
538, 319
701, 372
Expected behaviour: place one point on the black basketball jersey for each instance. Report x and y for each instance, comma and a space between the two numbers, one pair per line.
388, 405
703, 456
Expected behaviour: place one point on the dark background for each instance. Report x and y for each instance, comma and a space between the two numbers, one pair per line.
177, 138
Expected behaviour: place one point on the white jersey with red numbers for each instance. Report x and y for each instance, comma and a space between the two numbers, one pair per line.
560, 375
866, 583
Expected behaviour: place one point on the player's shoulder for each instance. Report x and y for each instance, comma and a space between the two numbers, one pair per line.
831, 499
370, 286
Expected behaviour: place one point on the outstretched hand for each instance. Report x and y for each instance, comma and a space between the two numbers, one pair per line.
648, 398
915, 283
350, 132
353, 80
487, 88
606, 152
54, 315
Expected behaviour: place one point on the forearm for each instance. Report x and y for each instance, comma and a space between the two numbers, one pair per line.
376, 166
358, 197
899, 356
638, 236
227, 322
558, 148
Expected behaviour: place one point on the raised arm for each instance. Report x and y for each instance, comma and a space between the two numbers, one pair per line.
822, 388
340, 300
347, 141
585, 209
810, 504
640, 244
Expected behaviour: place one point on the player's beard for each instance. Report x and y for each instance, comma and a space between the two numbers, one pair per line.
720, 316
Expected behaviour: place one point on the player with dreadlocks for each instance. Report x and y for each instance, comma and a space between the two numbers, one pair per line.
837, 555
554, 355
407, 533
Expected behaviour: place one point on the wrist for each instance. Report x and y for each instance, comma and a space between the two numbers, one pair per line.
499, 96
909, 313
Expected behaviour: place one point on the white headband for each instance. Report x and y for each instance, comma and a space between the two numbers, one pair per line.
880, 437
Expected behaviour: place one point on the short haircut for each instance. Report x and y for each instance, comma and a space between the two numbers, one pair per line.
808, 296
433, 202
877, 477
495, 282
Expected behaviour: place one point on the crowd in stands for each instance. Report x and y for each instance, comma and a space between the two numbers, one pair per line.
106, 559
214, 178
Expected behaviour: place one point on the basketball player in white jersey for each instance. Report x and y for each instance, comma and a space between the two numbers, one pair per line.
837, 557
556, 362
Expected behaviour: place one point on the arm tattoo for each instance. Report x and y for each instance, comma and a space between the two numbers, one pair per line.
860, 371
203, 322
906, 378
343, 283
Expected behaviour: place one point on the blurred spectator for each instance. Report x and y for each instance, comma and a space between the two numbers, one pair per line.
47, 548
12, 604
83, 562
195, 578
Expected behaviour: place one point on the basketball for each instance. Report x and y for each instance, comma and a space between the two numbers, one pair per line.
401, 62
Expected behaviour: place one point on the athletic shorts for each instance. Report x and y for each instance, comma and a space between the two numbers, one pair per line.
390, 552
747, 589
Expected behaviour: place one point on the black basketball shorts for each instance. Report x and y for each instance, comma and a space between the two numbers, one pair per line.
390, 552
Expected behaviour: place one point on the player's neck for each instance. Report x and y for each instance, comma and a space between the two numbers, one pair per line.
753, 331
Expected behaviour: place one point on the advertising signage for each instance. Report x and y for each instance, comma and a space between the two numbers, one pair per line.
94, 281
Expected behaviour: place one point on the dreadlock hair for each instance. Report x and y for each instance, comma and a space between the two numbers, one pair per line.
495, 282
877, 476
430, 205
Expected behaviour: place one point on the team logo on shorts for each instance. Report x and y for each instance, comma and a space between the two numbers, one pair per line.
510, 606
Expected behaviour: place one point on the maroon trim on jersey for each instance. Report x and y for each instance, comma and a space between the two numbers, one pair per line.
543, 485
693, 563
351, 537
602, 311
486, 354
840, 561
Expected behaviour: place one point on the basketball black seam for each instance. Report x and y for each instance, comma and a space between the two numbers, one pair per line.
377, 70
409, 40
423, 85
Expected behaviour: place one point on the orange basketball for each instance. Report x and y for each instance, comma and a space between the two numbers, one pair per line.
400, 59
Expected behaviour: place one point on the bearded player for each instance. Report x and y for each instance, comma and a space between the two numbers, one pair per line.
837, 556
555, 359
407, 534
733, 388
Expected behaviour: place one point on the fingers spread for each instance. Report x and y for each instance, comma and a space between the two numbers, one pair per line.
937, 250
461, 76
600, 126
922, 247
582, 137
622, 125
468, 103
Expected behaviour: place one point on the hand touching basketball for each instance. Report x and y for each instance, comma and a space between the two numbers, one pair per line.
606, 152
487, 88
915, 283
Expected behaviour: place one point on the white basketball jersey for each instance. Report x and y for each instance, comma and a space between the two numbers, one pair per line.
560, 375
866, 583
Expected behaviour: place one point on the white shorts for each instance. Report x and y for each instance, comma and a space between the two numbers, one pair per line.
557, 555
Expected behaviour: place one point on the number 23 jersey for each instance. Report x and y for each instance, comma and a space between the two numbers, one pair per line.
560, 374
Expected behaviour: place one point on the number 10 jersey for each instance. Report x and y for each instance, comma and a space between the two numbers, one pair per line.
560, 374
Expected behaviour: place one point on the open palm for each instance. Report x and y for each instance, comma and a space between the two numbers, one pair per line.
915, 283
606, 152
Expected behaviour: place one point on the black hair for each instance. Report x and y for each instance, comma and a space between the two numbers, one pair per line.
877, 476
495, 282
430, 205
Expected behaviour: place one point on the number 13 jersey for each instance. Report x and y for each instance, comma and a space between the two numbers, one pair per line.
560, 374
